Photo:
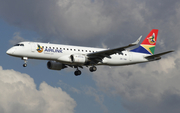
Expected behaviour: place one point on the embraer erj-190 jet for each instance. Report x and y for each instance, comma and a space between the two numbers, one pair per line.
63, 56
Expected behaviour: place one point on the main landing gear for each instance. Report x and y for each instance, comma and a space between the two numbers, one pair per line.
93, 68
78, 72
25, 61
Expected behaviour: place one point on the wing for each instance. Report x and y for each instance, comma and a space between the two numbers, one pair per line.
98, 56
157, 56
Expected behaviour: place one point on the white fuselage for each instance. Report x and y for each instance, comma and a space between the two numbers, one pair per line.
61, 53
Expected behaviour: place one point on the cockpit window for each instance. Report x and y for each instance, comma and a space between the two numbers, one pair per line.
19, 45
16, 45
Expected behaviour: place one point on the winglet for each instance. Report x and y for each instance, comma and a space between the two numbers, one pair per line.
137, 41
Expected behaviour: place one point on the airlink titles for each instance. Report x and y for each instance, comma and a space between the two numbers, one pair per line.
53, 50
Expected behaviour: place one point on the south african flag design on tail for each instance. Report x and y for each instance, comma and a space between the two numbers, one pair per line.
149, 43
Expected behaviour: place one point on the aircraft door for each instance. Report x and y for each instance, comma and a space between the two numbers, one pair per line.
33, 47
130, 56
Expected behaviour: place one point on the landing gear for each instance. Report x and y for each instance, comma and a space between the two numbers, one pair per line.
25, 65
93, 68
25, 61
77, 72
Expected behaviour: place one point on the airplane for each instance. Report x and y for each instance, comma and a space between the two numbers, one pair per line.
63, 56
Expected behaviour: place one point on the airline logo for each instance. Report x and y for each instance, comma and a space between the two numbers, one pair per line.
39, 48
152, 39
148, 45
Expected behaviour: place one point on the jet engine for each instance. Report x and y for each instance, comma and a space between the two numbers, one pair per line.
78, 58
55, 65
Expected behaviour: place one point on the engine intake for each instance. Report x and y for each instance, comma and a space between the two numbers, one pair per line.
55, 65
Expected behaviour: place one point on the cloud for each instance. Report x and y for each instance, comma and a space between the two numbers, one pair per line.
19, 95
75, 19
98, 98
70, 88
93, 22
150, 87
16, 39
87, 91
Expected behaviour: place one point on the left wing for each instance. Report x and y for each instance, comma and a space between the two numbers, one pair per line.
98, 56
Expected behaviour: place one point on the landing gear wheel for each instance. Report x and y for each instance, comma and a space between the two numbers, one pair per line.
24, 65
93, 68
77, 73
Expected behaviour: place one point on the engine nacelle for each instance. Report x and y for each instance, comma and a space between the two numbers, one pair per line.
78, 58
55, 65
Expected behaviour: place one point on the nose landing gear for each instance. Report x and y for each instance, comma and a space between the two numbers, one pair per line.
25, 61
24, 65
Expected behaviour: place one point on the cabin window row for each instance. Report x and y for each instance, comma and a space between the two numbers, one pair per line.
69, 49
79, 50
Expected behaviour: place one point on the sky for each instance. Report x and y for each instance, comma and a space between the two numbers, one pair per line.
142, 88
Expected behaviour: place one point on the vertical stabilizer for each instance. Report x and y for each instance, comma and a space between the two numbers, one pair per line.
149, 43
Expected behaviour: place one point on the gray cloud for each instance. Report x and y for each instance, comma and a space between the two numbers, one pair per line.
151, 88
19, 95
93, 22
16, 39
98, 98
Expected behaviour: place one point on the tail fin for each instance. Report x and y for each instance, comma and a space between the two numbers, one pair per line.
149, 43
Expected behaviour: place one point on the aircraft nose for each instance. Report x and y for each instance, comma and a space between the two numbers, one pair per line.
9, 51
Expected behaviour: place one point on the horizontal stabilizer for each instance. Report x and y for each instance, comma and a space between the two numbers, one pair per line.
157, 56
